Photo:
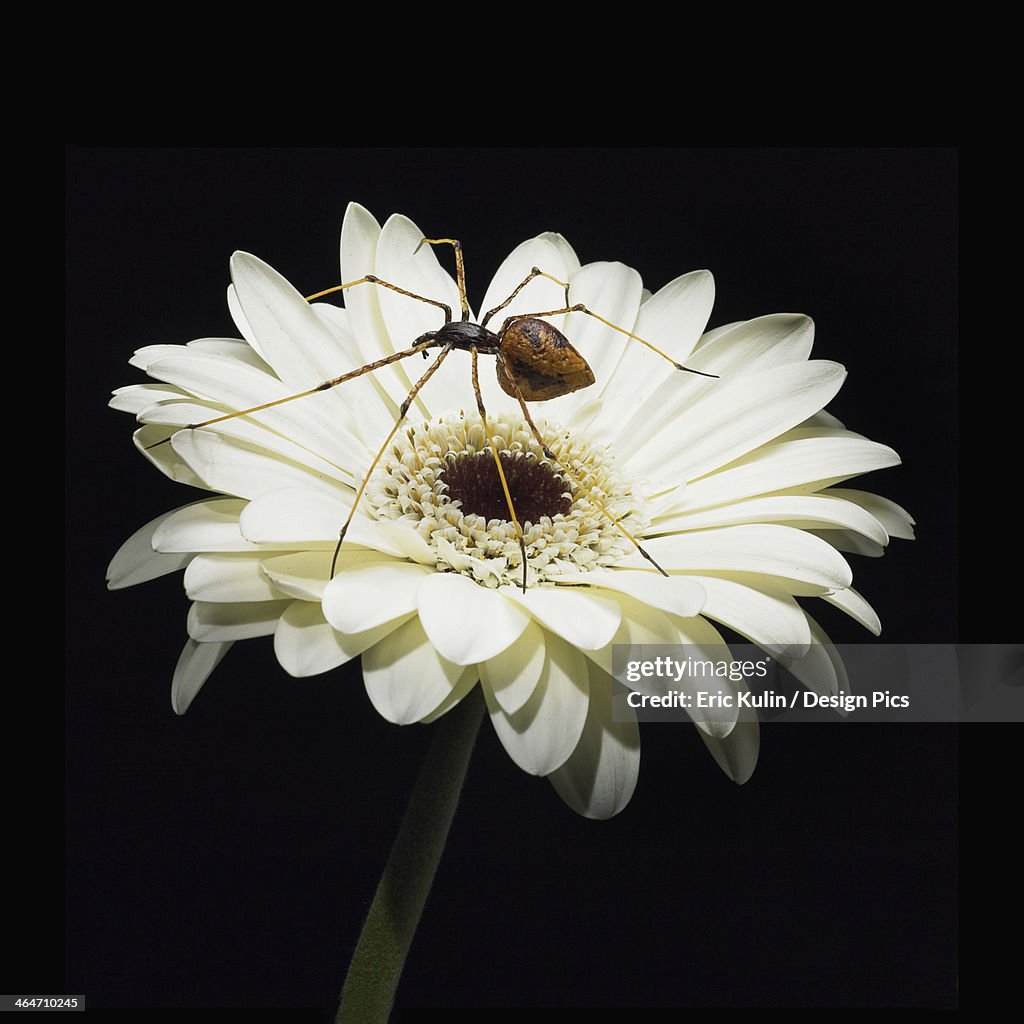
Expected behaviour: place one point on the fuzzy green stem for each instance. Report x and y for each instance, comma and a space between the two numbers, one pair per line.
377, 963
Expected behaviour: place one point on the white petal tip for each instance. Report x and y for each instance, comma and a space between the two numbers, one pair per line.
194, 666
716, 730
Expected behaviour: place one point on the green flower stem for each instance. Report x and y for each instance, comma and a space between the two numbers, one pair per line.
377, 963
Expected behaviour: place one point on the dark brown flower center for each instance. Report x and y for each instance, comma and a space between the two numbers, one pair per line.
536, 490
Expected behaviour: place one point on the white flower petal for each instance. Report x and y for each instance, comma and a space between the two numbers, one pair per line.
709, 335
178, 412
600, 775
406, 679
137, 562
676, 594
299, 574
812, 462
895, 520
149, 441
753, 345
293, 339
406, 319
360, 235
757, 548
146, 356
240, 351
300, 517
570, 260
137, 397
821, 669
584, 415
228, 577
512, 675
205, 526
765, 615
586, 620
736, 754
195, 664
459, 691
544, 732
370, 411
737, 415
468, 623
672, 321
612, 291
705, 643
307, 645
847, 540
734, 350
240, 431
235, 467
800, 510
393, 538
856, 607
823, 418
366, 595
305, 574
218, 622
640, 624
295, 516
238, 318
320, 423
539, 295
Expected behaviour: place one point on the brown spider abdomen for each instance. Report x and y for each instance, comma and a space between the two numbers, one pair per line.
540, 360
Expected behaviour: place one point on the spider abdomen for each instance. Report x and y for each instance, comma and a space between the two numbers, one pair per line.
541, 361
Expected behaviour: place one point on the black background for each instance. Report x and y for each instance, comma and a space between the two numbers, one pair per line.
225, 858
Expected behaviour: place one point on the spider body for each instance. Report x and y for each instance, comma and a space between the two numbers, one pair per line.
532, 356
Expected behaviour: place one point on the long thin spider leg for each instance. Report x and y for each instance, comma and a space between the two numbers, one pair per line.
420, 346
371, 279
403, 410
460, 268
497, 462
535, 272
615, 521
580, 308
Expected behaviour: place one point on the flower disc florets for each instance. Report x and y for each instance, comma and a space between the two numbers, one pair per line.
440, 477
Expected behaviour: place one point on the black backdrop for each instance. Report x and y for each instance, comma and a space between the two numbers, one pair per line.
225, 859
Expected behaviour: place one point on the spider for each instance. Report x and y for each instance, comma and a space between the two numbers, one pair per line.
535, 362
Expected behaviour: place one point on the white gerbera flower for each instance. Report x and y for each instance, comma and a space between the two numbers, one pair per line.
728, 483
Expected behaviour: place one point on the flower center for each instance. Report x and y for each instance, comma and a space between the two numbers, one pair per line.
440, 477
536, 490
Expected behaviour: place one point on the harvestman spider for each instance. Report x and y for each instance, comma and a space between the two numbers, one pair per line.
535, 363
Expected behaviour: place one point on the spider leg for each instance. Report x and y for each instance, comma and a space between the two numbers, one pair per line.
616, 522
497, 462
409, 399
460, 268
535, 272
371, 279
